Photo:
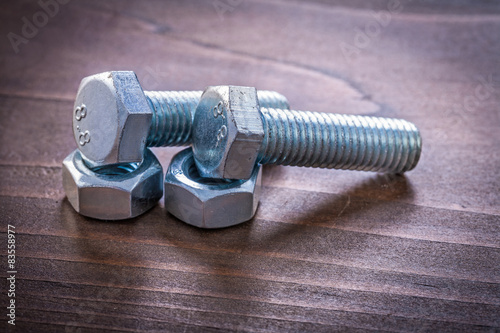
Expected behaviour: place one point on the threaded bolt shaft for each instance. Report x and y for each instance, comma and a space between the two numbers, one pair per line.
325, 140
173, 113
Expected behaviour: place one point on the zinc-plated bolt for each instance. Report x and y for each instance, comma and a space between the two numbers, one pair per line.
115, 120
231, 133
173, 114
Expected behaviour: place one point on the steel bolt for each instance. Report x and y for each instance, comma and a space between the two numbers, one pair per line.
173, 114
326, 140
298, 138
115, 120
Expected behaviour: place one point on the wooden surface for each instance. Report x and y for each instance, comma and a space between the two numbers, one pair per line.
328, 250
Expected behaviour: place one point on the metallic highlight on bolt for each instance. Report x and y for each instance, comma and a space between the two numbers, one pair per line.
172, 117
173, 113
232, 133
114, 120
325, 140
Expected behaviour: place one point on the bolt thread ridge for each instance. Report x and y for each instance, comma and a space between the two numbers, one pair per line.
326, 140
272, 99
173, 113
172, 117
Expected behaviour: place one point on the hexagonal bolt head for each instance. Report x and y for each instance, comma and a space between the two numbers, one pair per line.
227, 132
209, 203
112, 196
111, 118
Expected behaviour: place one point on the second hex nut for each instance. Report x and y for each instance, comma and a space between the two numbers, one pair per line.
209, 203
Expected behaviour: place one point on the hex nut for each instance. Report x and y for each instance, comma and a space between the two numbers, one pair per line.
209, 203
115, 193
227, 132
111, 119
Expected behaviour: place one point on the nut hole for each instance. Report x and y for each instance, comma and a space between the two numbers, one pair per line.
191, 171
116, 170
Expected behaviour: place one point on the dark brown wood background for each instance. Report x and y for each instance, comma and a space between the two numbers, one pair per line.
328, 250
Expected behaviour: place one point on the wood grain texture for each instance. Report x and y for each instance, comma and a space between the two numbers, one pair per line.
328, 250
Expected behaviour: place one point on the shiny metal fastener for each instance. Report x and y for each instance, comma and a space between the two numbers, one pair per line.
114, 119
112, 193
209, 203
232, 133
